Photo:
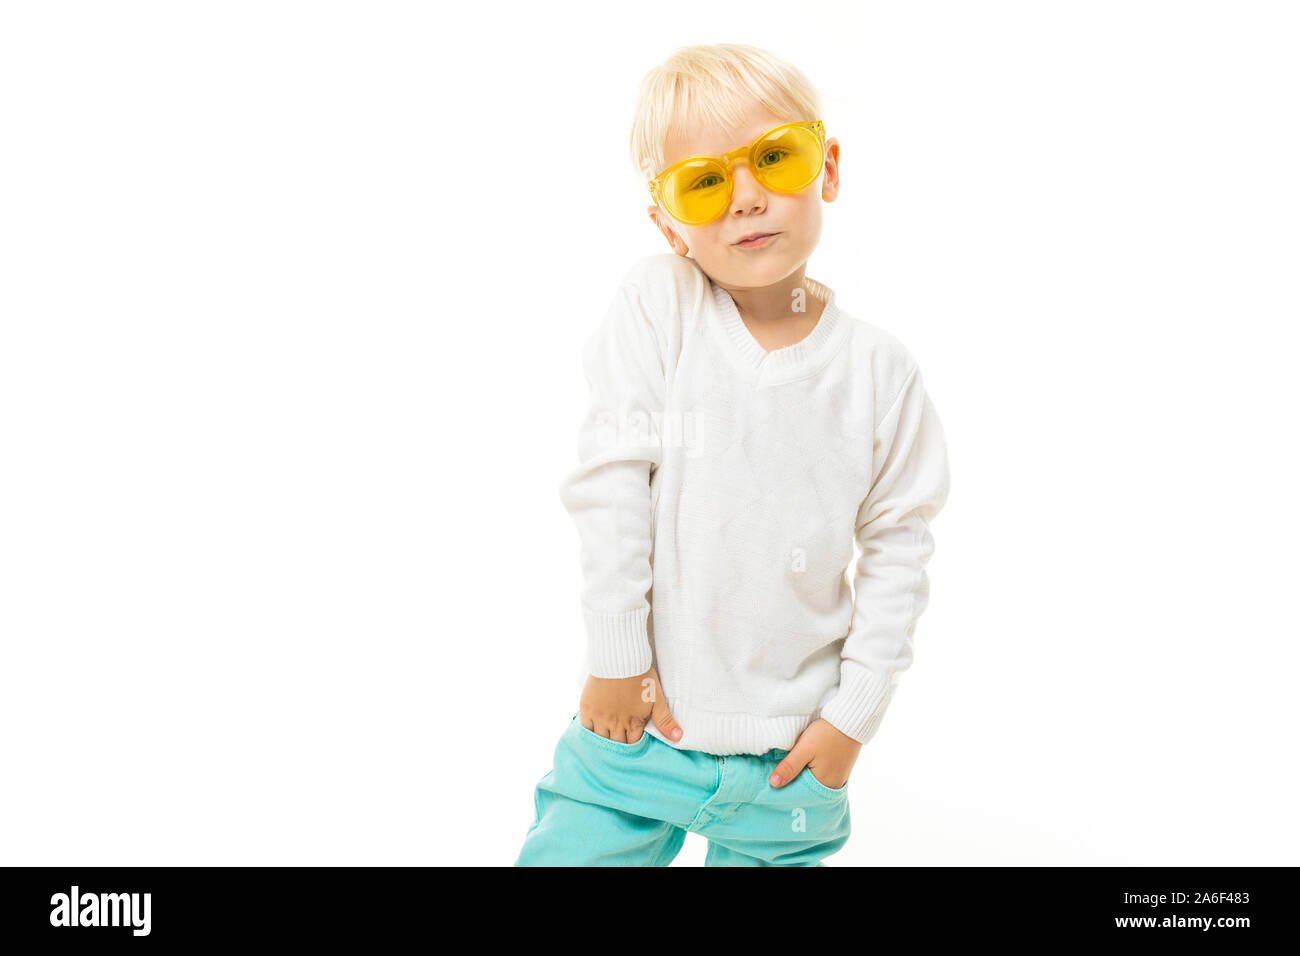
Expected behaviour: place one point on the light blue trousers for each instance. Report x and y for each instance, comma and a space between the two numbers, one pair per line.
607, 803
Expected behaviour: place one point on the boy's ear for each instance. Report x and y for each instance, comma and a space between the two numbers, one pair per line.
831, 181
674, 240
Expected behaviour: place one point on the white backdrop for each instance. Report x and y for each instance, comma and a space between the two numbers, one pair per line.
289, 373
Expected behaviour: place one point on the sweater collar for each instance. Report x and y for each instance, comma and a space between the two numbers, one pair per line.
781, 364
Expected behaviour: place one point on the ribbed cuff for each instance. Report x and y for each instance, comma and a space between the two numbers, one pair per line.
859, 704
617, 644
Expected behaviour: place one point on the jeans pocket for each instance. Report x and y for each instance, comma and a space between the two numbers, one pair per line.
806, 775
614, 746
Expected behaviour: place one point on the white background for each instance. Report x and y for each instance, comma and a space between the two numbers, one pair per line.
291, 311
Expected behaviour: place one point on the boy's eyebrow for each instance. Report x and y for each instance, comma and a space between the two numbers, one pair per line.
742, 144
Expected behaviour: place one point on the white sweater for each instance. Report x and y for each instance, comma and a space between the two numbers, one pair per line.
720, 492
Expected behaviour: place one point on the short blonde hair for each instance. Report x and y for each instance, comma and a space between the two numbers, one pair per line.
713, 85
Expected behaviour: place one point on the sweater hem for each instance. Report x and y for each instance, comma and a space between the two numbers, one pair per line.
736, 733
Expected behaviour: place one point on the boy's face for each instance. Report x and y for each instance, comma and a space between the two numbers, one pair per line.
795, 218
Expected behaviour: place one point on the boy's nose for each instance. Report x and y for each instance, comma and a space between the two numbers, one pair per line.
746, 190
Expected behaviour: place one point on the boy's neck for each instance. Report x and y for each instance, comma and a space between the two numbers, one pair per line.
772, 314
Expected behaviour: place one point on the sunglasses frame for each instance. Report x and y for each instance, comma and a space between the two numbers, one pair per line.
728, 159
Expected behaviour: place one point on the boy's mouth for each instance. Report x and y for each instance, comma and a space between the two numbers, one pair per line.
754, 239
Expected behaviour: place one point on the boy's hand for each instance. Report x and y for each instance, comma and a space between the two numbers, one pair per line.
620, 708
821, 747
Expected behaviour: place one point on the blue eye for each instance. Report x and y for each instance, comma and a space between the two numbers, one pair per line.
774, 155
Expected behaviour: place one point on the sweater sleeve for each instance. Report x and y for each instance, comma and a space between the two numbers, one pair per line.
608, 493
891, 588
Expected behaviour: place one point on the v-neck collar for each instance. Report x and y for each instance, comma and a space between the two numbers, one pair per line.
761, 367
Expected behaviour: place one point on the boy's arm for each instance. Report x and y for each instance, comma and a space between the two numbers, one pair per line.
891, 588
608, 494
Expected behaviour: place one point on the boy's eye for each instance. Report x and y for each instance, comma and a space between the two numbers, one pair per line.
707, 182
771, 157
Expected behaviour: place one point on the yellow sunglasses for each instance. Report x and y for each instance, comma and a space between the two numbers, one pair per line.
785, 160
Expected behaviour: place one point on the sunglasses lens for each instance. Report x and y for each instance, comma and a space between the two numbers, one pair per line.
697, 191
788, 159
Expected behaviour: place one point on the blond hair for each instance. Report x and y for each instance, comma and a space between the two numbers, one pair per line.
713, 85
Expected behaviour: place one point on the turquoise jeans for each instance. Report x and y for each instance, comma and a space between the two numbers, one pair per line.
607, 803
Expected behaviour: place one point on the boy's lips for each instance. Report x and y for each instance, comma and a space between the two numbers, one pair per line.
754, 239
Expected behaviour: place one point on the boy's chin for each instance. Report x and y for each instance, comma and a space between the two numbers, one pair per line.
754, 274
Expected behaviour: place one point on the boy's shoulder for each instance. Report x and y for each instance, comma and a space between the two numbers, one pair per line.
669, 289
891, 363
666, 279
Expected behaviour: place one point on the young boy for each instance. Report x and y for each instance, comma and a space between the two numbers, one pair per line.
743, 432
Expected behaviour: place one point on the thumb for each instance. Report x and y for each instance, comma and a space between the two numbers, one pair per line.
662, 717
790, 766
